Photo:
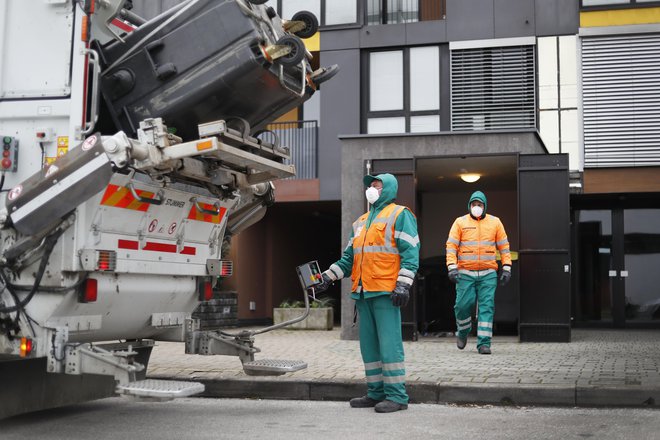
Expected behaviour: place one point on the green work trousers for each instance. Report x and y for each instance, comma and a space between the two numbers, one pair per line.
482, 289
381, 346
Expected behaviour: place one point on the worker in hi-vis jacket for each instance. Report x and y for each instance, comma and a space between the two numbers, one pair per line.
381, 258
472, 266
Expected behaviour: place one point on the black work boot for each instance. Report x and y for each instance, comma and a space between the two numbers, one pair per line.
363, 402
460, 342
484, 349
387, 406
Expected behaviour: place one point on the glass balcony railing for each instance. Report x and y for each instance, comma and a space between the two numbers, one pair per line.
404, 11
301, 137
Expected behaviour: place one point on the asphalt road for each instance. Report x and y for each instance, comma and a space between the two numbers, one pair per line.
198, 418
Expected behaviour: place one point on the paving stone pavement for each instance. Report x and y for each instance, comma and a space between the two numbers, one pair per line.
598, 367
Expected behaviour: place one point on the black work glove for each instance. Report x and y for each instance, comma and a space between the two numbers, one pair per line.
400, 295
453, 275
324, 284
505, 276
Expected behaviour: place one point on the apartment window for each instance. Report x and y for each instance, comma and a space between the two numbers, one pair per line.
328, 12
492, 88
386, 81
340, 12
404, 11
404, 91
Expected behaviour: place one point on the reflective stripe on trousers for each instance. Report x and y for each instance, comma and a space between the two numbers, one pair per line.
381, 346
482, 290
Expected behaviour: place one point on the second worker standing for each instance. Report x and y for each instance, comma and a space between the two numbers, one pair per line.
472, 266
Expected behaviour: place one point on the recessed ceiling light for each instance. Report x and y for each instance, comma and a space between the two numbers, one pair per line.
470, 177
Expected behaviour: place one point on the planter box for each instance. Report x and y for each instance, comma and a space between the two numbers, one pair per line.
318, 319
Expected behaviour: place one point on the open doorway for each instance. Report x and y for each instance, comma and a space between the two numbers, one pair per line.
441, 197
267, 253
616, 255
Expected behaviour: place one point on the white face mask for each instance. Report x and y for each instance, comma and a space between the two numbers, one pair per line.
372, 195
477, 211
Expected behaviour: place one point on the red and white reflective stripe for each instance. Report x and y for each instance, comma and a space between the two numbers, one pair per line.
155, 247
122, 25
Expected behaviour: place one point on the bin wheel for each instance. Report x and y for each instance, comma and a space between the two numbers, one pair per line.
297, 53
311, 23
325, 73
257, 2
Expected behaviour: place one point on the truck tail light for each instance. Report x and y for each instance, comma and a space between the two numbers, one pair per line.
93, 260
26, 347
226, 268
205, 290
106, 260
89, 291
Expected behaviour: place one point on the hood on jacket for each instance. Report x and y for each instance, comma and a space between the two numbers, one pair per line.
478, 195
390, 188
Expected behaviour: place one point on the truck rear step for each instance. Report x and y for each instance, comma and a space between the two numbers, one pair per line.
272, 367
160, 389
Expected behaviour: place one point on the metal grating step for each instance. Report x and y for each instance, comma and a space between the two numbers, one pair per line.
272, 367
160, 389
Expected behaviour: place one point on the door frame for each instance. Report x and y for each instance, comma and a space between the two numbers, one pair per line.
616, 204
544, 248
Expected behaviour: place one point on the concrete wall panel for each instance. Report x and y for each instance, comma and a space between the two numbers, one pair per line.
556, 17
470, 20
514, 18
340, 113
340, 39
426, 32
383, 35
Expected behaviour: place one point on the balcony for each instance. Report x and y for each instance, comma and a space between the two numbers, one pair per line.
302, 139
404, 11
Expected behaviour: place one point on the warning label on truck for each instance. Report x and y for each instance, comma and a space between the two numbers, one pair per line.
121, 197
194, 214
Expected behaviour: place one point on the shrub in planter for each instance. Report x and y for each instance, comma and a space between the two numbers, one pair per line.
320, 314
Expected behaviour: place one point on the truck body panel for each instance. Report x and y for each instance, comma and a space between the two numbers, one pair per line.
123, 176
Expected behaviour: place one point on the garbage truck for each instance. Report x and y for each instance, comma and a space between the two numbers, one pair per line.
132, 150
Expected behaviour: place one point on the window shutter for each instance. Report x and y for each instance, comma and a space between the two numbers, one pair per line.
621, 100
493, 88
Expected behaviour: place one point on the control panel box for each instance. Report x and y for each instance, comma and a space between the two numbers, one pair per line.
9, 161
309, 274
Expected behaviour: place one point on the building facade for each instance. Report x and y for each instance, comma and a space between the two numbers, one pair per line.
552, 102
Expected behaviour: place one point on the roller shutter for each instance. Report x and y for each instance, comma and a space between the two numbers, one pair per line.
493, 88
621, 100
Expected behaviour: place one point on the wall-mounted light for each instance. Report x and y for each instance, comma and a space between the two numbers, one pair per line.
470, 177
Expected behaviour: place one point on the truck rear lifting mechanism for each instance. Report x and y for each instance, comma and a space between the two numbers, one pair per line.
242, 344
121, 236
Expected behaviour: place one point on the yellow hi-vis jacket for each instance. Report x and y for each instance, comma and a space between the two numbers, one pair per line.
376, 259
472, 242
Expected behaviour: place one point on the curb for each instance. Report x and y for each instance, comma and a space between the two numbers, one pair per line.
617, 396
434, 393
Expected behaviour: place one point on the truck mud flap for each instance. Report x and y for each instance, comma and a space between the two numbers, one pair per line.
25, 386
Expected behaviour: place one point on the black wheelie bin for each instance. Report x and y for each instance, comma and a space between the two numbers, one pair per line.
202, 61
